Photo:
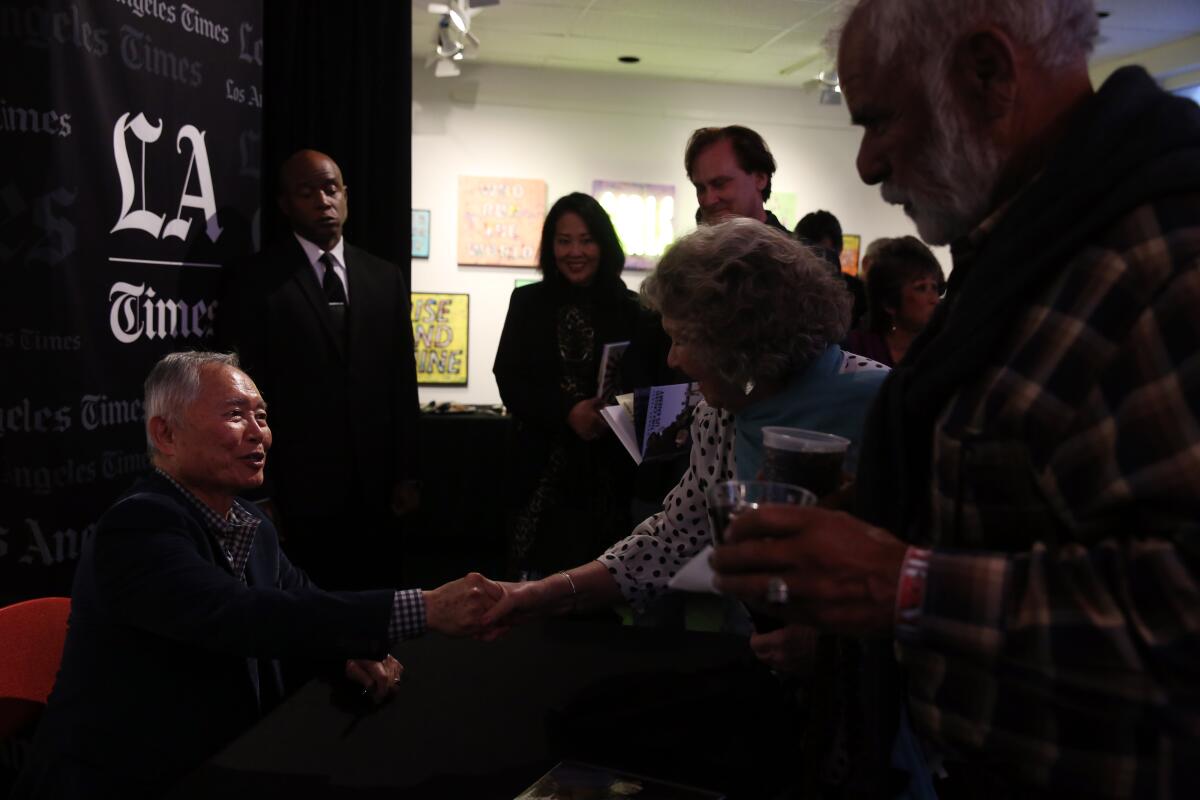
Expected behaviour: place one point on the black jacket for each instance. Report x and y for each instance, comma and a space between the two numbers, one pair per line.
341, 411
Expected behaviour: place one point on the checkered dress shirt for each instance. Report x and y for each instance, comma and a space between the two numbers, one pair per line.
1060, 630
235, 534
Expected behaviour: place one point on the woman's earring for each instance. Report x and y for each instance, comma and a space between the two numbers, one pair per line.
749, 387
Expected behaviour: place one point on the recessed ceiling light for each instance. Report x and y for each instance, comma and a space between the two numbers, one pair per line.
628, 59
1102, 14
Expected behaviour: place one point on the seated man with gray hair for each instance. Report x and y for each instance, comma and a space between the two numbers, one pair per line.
183, 602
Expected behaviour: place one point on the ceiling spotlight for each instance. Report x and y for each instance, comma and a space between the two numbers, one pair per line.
445, 44
628, 59
460, 12
446, 69
452, 39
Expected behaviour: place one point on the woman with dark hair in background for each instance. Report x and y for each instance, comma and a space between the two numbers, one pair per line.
904, 286
573, 478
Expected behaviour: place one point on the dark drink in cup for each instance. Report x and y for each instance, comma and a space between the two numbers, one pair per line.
804, 458
729, 498
720, 516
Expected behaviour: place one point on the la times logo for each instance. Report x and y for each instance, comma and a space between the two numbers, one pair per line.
143, 219
136, 310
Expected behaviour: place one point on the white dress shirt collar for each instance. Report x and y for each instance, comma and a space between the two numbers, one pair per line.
314, 254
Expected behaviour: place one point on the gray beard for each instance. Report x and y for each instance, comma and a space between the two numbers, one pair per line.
958, 174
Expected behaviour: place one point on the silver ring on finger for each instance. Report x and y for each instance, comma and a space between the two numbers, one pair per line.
777, 591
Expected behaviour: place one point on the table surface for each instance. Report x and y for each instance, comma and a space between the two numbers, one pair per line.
483, 720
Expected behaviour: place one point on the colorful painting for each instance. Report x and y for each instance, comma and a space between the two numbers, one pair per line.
420, 233
851, 244
440, 338
644, 216
500, 221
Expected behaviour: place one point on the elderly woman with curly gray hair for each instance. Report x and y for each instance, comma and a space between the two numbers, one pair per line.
754, 318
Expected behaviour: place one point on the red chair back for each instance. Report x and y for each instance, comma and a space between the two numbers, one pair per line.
31, 645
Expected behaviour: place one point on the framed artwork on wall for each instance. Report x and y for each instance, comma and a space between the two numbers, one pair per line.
420, 233
441, 337
500, 221
851, 244
644, 216
783, 206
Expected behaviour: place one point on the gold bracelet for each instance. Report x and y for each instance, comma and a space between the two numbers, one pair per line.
574, 591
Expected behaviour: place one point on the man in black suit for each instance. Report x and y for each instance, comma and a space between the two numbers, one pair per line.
183, 602
323, 327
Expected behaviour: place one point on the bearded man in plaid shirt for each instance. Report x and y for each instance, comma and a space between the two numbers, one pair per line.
1027, 528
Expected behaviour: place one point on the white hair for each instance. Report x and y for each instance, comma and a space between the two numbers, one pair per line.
1056, 32
959, 172
173, 384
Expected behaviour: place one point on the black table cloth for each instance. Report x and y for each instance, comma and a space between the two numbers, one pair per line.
485, 720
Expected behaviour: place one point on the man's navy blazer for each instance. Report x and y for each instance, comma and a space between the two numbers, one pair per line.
169, 656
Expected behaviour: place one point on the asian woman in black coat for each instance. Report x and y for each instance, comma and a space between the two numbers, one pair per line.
572, 479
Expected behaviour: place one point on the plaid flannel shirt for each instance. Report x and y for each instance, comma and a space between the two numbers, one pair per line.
235, 534
1059, 636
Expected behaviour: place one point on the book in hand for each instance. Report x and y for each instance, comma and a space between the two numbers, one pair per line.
610, 370
654, 423
570, 780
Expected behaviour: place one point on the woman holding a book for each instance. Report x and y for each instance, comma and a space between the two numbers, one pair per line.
754, 318
571, 477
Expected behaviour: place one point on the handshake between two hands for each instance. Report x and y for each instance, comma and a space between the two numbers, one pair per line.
470, 606
840, 575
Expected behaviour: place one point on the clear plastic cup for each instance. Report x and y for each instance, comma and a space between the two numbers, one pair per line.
729, 498
804, 458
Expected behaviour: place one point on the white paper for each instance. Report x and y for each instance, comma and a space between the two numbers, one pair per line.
696, 575
622, 425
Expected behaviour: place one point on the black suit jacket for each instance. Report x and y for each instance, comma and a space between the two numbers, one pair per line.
169, 656
343, 413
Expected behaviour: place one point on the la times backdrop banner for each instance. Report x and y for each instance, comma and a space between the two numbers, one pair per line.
129, 133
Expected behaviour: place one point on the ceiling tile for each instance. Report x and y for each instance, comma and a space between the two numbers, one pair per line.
748, 41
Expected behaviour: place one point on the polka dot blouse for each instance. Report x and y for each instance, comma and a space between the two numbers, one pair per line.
643, 562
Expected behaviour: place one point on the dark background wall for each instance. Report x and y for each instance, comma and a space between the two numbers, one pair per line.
77, 330
338, 79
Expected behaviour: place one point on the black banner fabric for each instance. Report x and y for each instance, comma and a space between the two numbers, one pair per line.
130, 132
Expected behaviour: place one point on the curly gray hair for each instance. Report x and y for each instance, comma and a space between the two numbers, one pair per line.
754, 303
174, 382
